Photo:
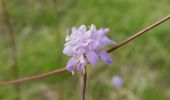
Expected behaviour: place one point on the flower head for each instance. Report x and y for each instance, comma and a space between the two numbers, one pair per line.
85, 47
117, 81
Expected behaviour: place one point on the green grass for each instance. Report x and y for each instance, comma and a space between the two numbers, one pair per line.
40, 28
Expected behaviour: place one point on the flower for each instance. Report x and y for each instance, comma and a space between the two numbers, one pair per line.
117, 81
85, 47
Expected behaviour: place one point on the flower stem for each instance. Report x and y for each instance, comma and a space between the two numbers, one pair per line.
83, 93
134, 36
35, 77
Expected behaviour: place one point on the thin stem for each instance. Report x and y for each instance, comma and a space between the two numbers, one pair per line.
140, 33
62, 70
12, 46
83, 93
54, 72
10, 36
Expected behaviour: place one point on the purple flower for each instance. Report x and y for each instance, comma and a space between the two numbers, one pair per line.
117, 81
85, 47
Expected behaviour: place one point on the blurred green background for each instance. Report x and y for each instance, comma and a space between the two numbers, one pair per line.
40, 28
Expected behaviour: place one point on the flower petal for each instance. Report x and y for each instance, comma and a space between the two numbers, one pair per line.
82, 28
94, 45
80, 66
71, 65
81, 51
74, 30
102, 31
93, 28
67, 50
92, 57
106, 41
105, 57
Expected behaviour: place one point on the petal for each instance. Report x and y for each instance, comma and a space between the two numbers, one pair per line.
86, 42
93, 28
71, 65
82, 59
82, 28
82, 63
88, 34
102, 31
92, 57
67, 50
80, 66
94, 45
75, 31
105, 57
106, 41
81, 51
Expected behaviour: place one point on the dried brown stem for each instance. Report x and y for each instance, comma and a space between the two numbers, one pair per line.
9, 33
54, 72
83, 93
12, 47
109, 51
140, 33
